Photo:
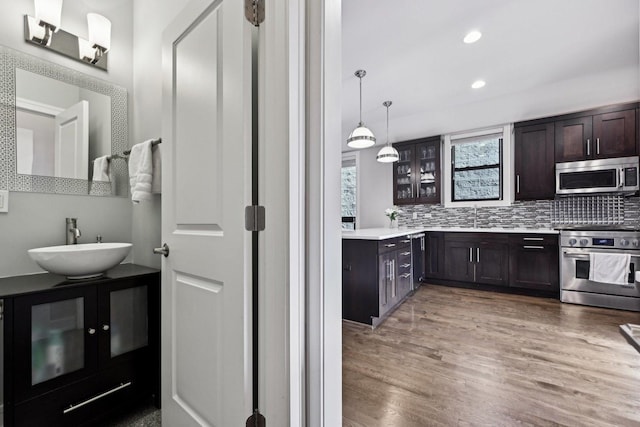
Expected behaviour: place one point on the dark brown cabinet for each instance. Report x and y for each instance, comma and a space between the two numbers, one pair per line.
376, 277
601, 135
75, 353
534, 161
533, 262
477, 258
434, 255
416, 175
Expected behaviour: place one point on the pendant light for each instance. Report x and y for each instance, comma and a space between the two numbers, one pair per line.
361, 136
387, 154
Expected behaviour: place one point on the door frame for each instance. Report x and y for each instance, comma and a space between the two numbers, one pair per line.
300, 149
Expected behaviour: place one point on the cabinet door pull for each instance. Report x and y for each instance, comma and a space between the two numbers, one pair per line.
470, 254
588, 147
405, 265
389, 245
105, 327
406, 275
518, 184
597, 145
91, 331
93, 399
405, 253
477, 254
405, 241
533, 247
538, 239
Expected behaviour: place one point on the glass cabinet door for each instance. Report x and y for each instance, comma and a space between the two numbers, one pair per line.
129, 322
403, 179
428, 160
57, 339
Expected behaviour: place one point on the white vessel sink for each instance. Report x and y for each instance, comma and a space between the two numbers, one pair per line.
80, 261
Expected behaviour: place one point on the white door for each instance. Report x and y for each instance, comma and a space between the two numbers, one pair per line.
71, 142
206, 280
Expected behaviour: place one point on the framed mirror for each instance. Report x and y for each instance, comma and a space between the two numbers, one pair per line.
55, 123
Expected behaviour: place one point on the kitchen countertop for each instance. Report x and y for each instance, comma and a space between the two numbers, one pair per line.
389, 233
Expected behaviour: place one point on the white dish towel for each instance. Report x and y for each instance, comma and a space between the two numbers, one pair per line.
609, 268
101, 169
141, 171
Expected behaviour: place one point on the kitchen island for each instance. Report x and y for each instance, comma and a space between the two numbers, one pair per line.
382, 266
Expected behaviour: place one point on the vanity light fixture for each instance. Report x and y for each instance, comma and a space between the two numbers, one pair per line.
387, 154
44, 30
361, 136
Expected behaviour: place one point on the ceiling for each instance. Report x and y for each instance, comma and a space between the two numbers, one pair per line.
538, 58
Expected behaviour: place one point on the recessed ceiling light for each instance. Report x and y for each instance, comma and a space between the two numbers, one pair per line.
478, 84
472, 37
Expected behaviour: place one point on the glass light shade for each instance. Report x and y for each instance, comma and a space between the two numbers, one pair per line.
49, 11
99, 30
387, 154
87, 52
361, 137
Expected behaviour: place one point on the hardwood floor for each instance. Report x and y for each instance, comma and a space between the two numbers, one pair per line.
459, 357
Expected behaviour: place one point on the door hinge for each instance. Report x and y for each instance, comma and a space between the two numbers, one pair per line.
256, 420
254, 218
254, 11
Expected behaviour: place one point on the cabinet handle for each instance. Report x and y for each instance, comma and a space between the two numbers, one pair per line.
533, 247
405, 241
105, 327
390, 245
597, 145
518, 184
405, 253
538, 239
422, 244
405, 265
477, 254
470, 254
588, 147
93, 399
91, 331
406, 275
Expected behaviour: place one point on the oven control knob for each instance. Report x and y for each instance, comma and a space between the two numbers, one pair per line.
572, 241
584, 242
635, 243
624, 242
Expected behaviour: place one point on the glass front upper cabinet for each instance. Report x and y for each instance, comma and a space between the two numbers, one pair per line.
416, 174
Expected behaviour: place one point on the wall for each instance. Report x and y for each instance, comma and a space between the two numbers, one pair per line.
151, 17
36, 219
375, 189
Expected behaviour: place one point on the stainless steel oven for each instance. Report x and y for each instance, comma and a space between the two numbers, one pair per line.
619, 175
575, 286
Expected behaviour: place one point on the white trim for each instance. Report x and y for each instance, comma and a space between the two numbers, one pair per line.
38, 107
508, 193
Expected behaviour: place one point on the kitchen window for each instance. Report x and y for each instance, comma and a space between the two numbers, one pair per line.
477, 168
349, 180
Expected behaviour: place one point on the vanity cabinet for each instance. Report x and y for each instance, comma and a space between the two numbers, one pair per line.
598, 134
416, 175
81, 350
534, 161
376, 277
477, 258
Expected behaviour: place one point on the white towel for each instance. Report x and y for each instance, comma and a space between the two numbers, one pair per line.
156, 160
140, 171
609, 268
101, 169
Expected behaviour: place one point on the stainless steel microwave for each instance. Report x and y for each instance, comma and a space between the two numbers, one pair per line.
616, 176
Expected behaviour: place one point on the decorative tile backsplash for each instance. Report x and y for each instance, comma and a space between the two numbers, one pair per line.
529, 214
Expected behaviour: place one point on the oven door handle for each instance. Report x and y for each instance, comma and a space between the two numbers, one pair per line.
574, 255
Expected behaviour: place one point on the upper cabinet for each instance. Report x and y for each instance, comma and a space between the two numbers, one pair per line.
600, 135
534, 161
416, 175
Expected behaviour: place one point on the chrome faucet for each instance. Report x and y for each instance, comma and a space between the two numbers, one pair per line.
73, 232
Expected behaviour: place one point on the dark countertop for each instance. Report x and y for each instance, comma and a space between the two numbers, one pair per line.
20, 285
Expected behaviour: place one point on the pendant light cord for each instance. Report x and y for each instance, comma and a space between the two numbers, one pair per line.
387, 125
360, 101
